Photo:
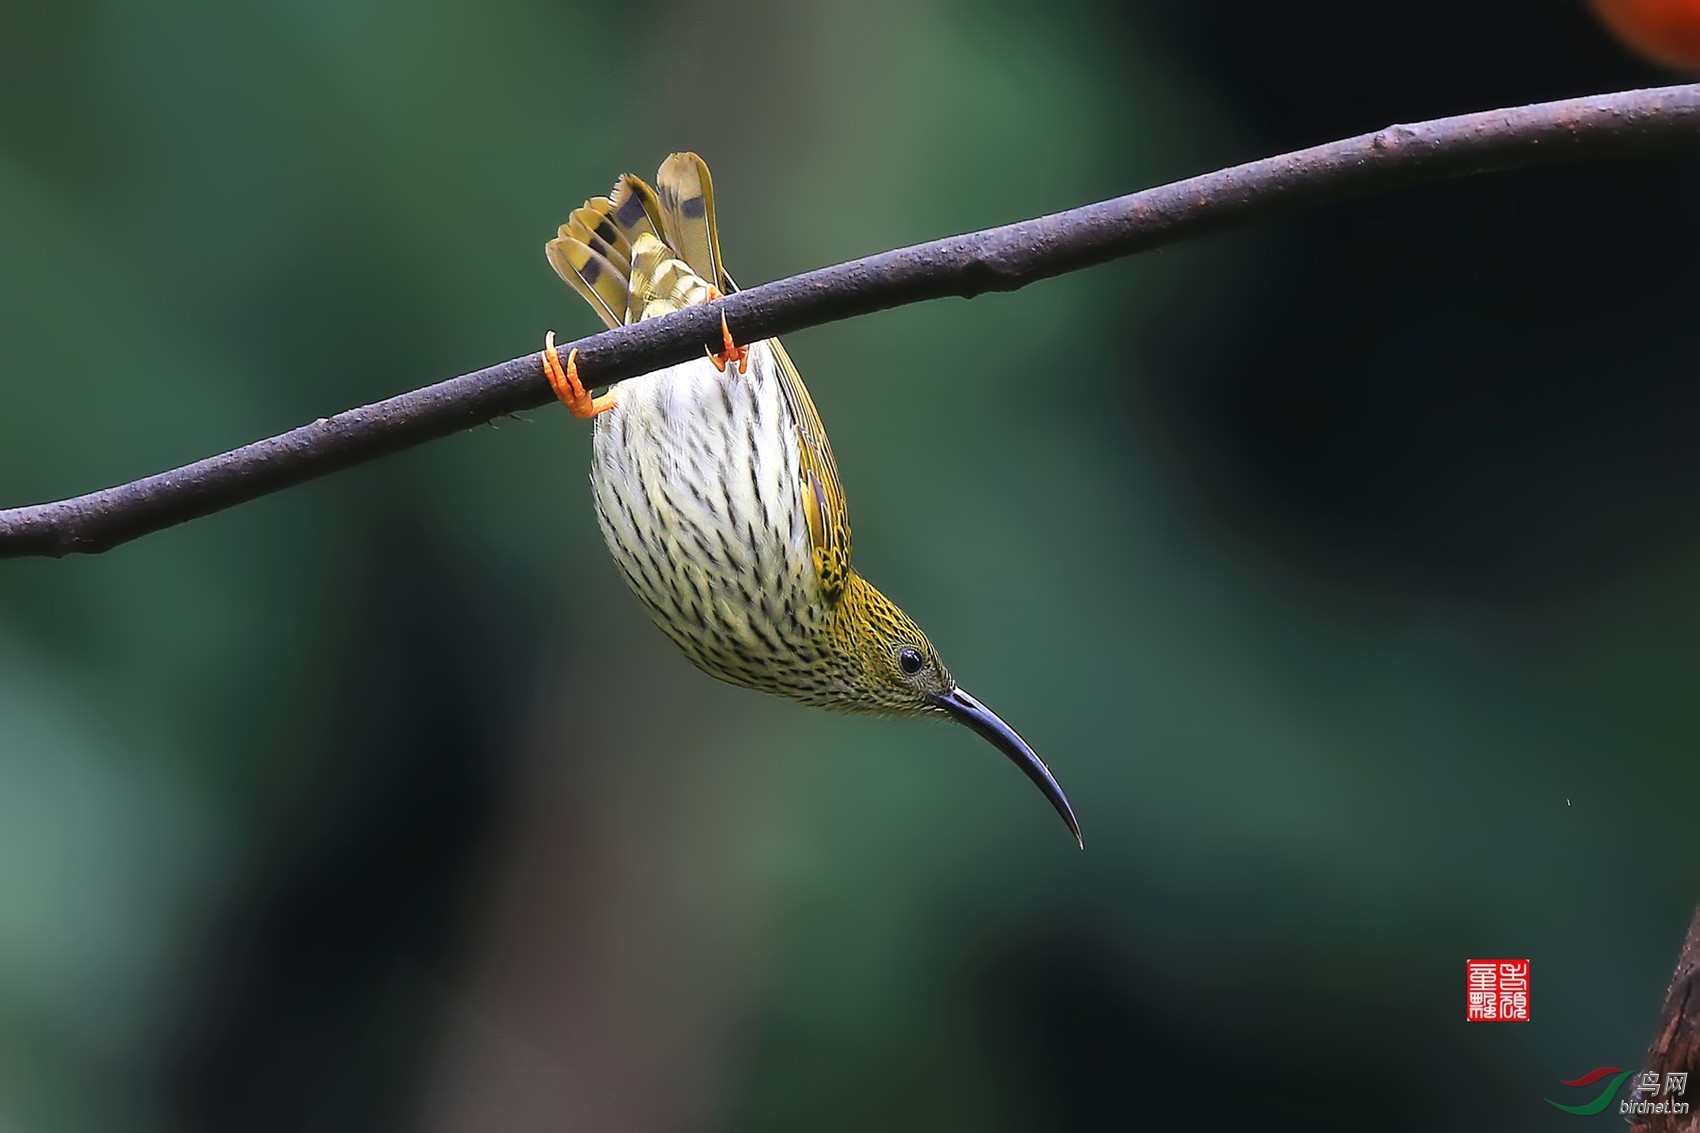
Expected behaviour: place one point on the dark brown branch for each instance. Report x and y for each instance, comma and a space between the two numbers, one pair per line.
1677, 1044
1665, 119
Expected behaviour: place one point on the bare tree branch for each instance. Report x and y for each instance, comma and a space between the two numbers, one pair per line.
1676, 1046
1665, 119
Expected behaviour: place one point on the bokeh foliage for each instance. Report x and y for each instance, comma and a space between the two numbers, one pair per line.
1344, 571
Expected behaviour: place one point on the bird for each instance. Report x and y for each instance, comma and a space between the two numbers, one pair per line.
717, 493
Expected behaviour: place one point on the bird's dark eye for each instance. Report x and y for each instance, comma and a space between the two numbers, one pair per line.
909, 660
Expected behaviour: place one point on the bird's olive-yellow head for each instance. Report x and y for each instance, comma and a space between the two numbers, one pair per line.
893, 669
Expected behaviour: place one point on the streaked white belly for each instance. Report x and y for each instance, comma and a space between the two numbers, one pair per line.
694, 474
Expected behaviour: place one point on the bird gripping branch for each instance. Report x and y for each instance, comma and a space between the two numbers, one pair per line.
716, 490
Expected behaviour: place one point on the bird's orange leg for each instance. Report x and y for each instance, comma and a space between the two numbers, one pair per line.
733, 352
565, 383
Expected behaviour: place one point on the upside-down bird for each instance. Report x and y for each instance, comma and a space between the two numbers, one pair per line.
716, 489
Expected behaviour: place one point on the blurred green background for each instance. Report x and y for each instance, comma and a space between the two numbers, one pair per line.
1344, 570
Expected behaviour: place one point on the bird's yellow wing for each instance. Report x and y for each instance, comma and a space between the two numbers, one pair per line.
824, 506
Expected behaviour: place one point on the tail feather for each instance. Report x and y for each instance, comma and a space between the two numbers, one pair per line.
687, 215
596, 267
636, 209
637, 253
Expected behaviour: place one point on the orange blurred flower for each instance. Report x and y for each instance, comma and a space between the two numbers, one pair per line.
1665, 31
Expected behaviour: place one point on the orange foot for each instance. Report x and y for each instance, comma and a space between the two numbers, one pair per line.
566, 385
733, 352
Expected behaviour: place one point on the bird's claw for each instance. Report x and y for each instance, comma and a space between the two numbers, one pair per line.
732, 352
564, 381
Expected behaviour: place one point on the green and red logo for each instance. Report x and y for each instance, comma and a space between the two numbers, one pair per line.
1606, 1094
1655, 1092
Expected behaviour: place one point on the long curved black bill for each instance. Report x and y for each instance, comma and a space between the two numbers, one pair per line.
964, 709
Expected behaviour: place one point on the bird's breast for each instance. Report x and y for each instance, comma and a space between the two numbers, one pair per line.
695, 477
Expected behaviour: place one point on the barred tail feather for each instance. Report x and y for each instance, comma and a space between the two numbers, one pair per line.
602, 283
637, 253
593, 251
686, 193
